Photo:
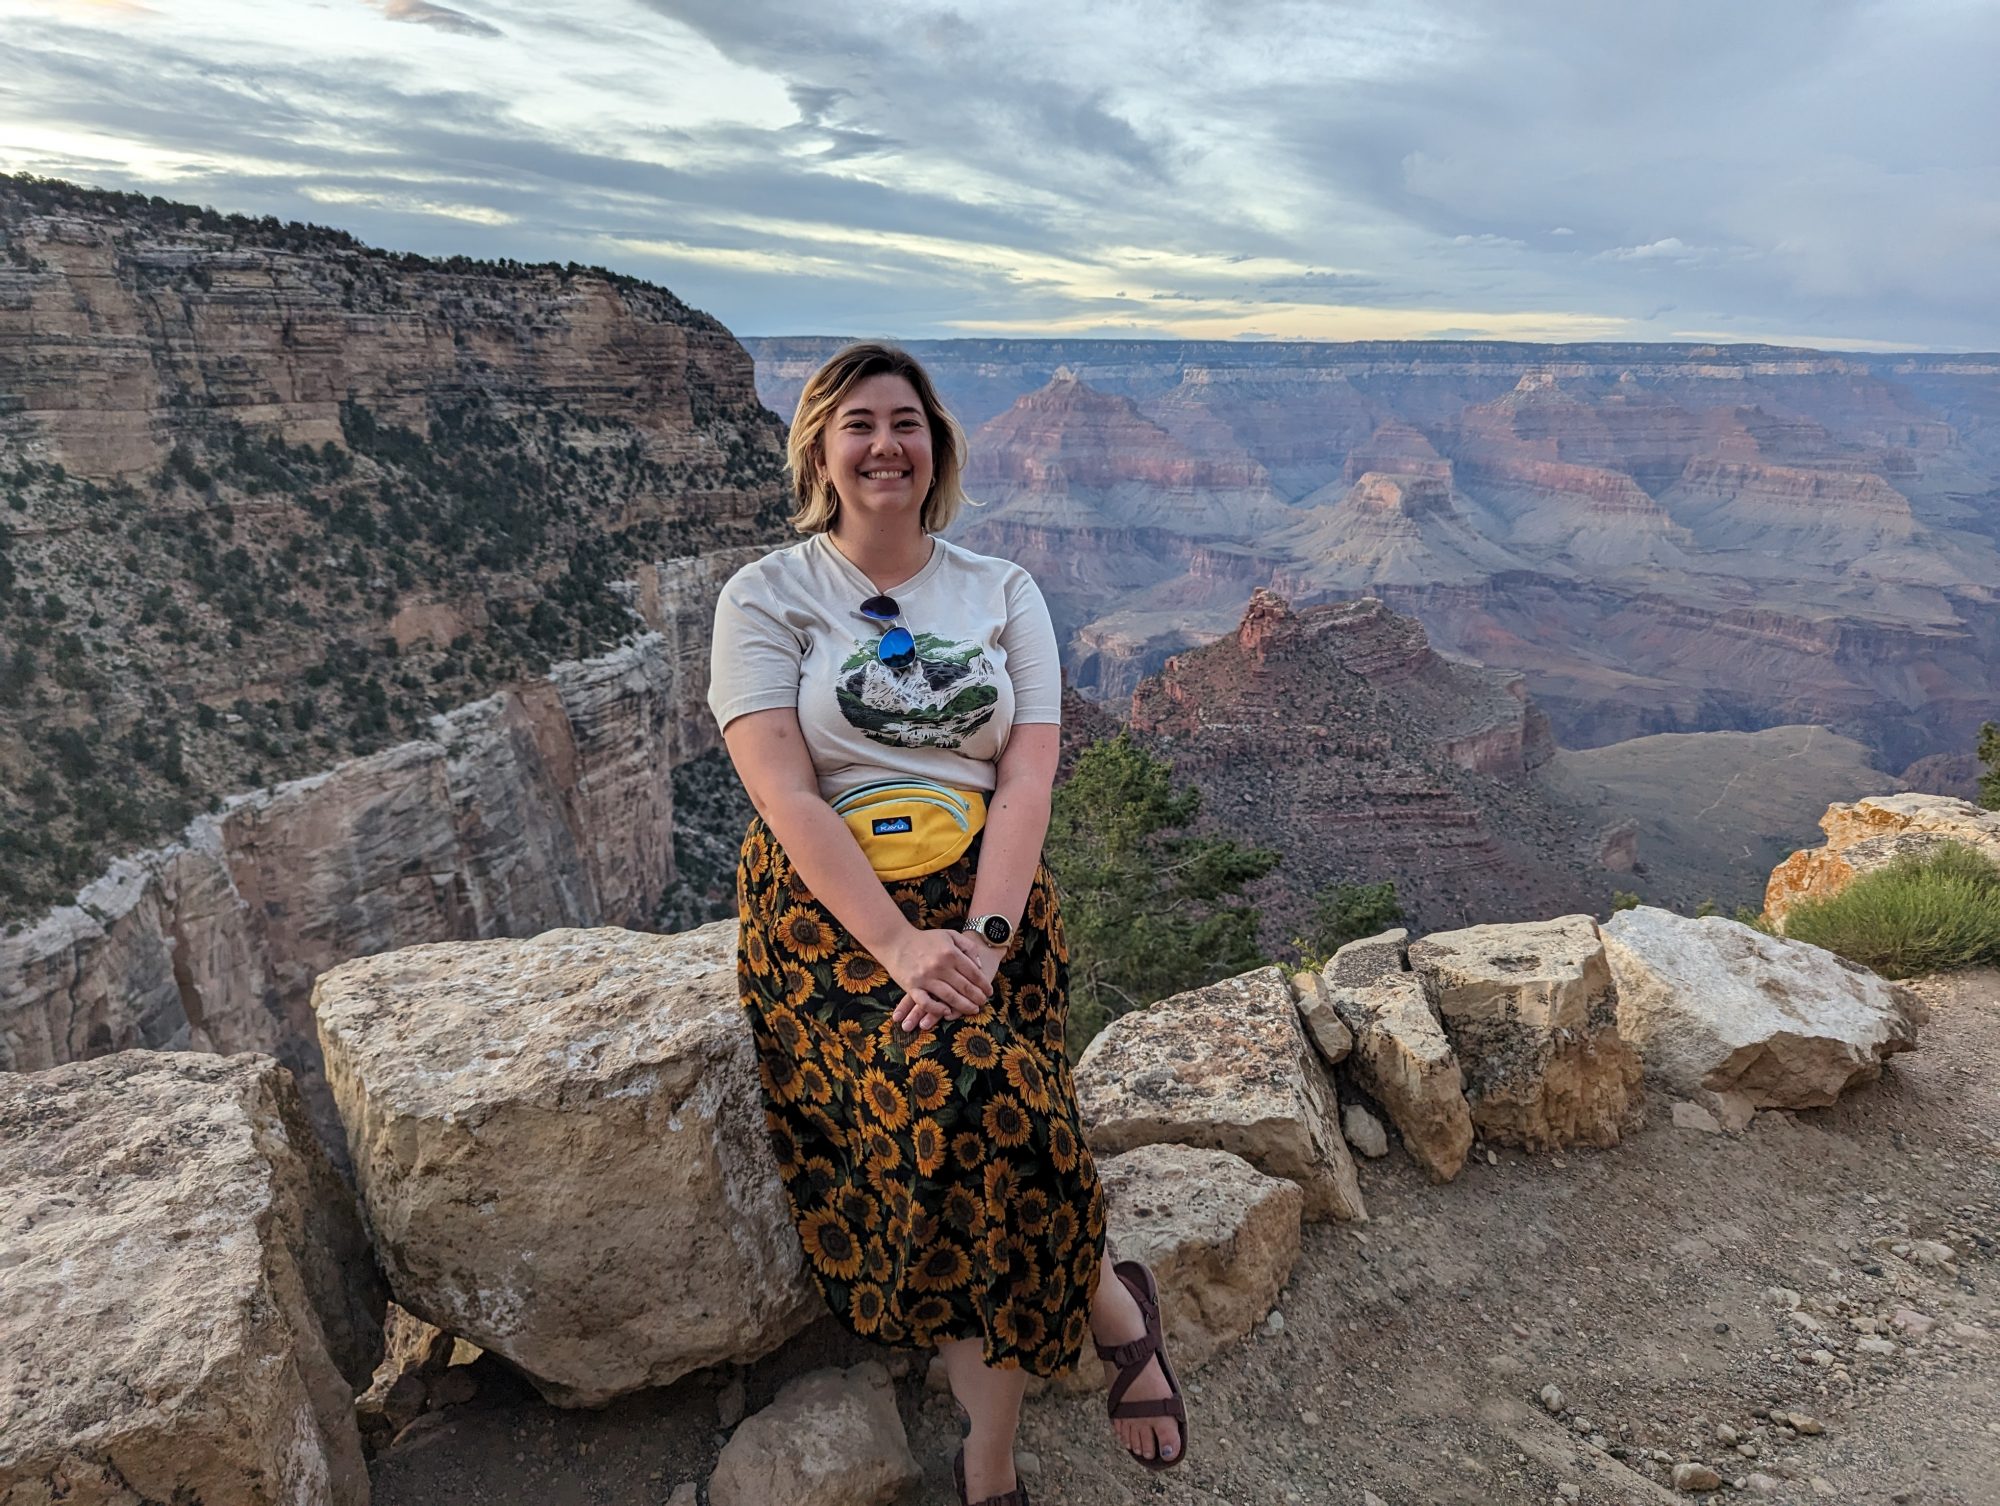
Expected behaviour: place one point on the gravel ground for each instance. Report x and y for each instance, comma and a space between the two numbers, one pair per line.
1838, 1267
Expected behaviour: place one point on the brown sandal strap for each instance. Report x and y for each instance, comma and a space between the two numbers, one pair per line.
1124, 1356
1165, 1406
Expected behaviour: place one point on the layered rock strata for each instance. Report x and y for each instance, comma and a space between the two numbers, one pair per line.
1714, 1007
560, 1144
549, 804
1223, 1067
1532, 1012
1337, 735
189, 1302
1663, 538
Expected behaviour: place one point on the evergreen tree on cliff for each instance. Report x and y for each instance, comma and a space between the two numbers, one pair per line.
1149, 909
1989, 755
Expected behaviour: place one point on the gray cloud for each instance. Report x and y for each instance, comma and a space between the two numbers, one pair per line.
441, 16
1796, 169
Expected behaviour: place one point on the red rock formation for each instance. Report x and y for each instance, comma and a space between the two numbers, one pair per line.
1339, 736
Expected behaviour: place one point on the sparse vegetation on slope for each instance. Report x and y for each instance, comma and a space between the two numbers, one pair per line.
1925, 913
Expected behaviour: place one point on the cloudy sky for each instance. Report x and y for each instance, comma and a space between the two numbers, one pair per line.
1820, 172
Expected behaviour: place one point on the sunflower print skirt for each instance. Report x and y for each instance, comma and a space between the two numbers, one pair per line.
940, 1182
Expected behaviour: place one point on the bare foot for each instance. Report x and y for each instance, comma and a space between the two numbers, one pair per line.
1115, 1319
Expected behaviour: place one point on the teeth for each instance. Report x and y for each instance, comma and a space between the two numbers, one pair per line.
884, 475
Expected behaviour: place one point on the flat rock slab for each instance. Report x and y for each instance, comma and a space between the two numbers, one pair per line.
1401, 1057
1220, 1236
560, 1142
1717, 1007
187, 1299
830, 1438
1224, 1067
1533, 1015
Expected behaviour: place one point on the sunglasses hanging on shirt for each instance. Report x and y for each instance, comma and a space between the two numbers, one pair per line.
896, 648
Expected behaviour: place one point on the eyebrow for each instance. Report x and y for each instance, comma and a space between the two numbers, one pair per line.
870, 412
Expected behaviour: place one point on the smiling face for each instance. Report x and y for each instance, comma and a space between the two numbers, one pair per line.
878, 448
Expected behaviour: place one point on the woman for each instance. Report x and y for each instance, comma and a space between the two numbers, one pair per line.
910, 1030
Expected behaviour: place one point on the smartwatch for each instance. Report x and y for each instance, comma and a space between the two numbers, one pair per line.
995, 930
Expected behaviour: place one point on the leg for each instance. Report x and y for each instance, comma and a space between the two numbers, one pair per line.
992, 1398
1115, 1319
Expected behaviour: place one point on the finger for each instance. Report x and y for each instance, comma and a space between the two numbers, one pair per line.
920, 1005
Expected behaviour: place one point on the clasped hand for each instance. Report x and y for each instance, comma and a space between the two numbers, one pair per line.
944, 975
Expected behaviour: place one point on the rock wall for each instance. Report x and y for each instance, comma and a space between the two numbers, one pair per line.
547, 805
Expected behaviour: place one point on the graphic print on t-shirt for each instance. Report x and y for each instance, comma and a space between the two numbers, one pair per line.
937, 702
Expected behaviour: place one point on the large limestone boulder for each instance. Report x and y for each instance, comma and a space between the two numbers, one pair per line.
1871, 833
187, 1299
1717, 1007
1533, 1016
560, 1143
1224, 1067
830, 1438
1400, 1057
1219, 1235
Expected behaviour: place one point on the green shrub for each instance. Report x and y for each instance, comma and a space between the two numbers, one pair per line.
1923, 913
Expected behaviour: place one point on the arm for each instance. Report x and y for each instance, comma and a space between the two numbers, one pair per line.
1017, 820
771, 759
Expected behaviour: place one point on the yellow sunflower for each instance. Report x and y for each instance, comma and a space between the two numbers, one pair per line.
1062, 1145
795, 984
781, 1076
975, 1048
1062, 1228
1038, 906
880, 1149
788, 1032
756, 951
784, 1145
1006, 1122
865, 1308
1001, 1181
860, 1044
830, 1244
804, 934
877, 1260
961, 1210
1031, 1213
927, 1144
884, 1100
859, 973
925, 1316
929, 1084
814, 1083
967, 1149
1049, 971
941, 1268
1028, 1078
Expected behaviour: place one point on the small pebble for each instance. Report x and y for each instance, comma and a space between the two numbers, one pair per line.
1552, 1399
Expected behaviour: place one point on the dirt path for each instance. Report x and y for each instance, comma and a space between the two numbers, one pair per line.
1670, 1288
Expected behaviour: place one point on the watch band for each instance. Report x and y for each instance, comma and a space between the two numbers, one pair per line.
976, 924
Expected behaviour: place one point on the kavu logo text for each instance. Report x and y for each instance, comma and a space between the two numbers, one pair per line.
889, 824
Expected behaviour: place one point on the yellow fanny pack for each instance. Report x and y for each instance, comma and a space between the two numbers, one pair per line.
910, 827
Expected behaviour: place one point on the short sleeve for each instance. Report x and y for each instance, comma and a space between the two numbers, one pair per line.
1033, 663
754, 655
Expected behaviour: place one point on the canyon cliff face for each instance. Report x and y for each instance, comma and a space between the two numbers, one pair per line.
1337, 735
1661, 538
348, 601
549, 804
274, 500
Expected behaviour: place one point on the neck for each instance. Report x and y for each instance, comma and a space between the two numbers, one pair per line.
888, 550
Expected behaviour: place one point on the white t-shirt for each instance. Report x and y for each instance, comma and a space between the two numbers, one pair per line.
789, 632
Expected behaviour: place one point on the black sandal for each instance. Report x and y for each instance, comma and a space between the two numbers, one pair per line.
1131, 1360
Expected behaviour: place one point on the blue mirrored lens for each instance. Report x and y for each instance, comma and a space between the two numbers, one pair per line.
897, 648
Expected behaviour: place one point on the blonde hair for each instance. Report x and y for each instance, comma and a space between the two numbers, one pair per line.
824, 391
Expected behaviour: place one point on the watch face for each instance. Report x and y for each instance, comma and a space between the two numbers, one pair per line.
996, 929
